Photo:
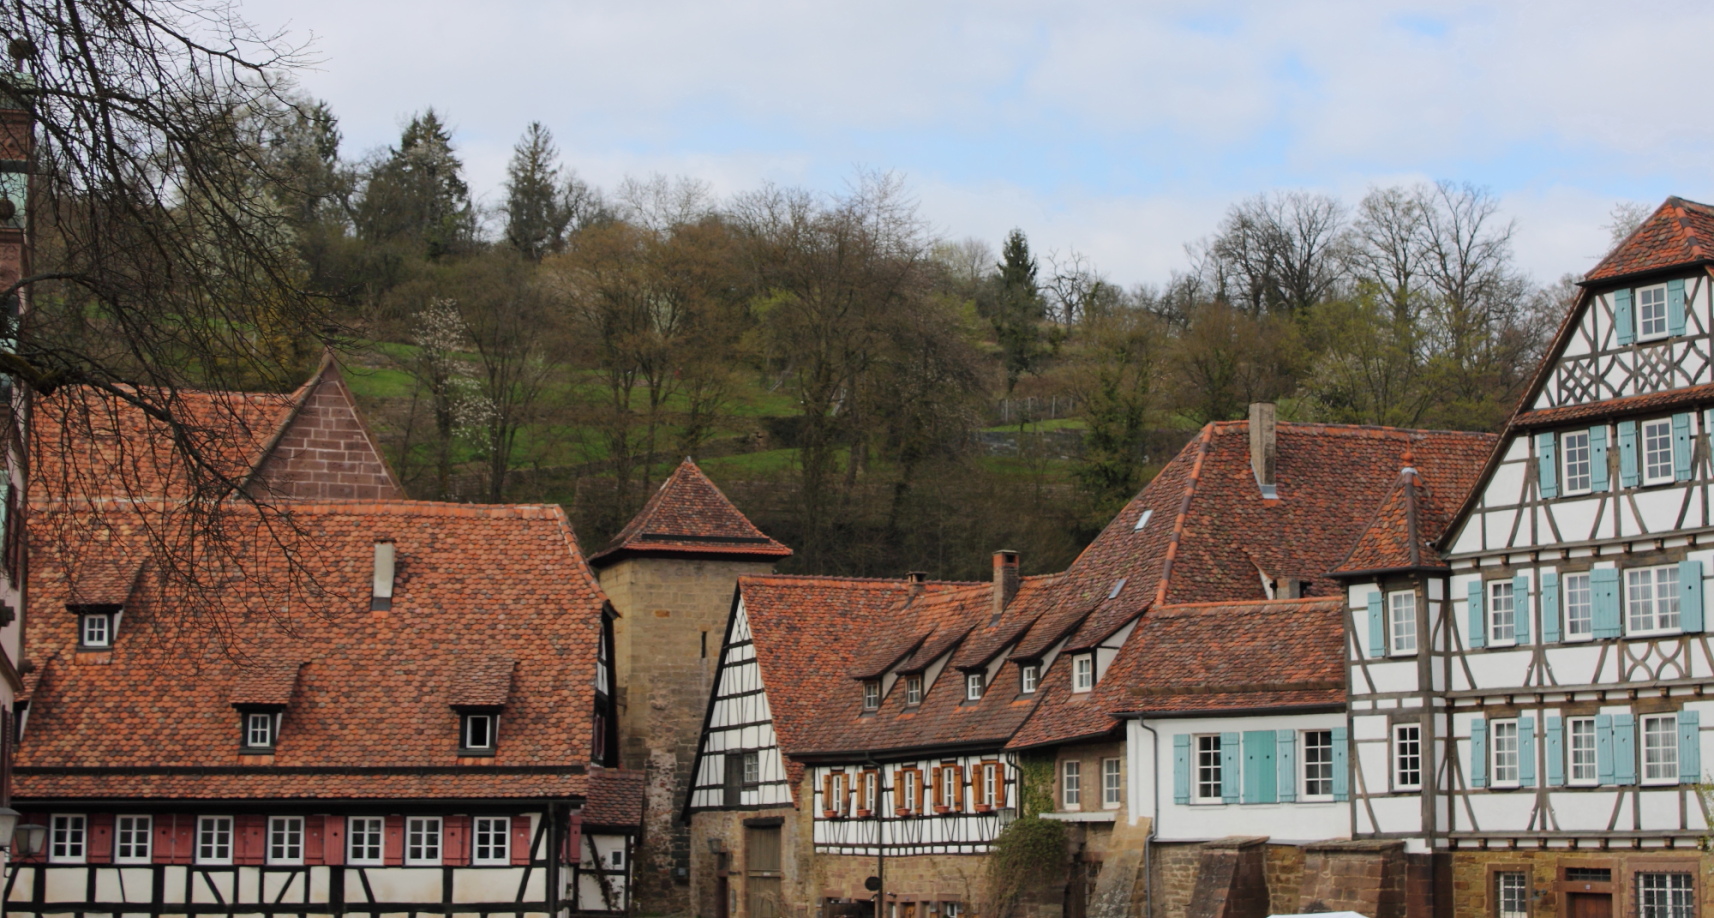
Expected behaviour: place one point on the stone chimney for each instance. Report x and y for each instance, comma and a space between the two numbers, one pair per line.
916, 579
1005, 579
1264, 445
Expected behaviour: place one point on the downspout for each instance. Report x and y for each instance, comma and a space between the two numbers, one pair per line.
880, 839
1154, 823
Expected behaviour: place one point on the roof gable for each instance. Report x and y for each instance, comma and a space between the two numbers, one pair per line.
688, 515
1679, 233
324, 450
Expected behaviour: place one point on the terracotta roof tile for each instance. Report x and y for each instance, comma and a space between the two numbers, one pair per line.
265, 682
1679, 233
615, 799
689, 515
1403, 531
1630, 404
481, 682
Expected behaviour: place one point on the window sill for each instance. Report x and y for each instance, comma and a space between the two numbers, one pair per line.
1407, 789
1077, 816
1316, 799
1399, 654
435, 863
1654, 633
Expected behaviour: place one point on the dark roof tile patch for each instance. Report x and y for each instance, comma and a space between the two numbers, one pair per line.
615, 799
687, 514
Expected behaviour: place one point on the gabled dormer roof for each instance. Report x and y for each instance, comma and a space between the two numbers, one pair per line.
1678, 234
1402, 533
689, 516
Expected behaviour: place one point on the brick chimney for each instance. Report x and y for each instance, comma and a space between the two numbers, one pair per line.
1264, 445
916, 579
1005, 578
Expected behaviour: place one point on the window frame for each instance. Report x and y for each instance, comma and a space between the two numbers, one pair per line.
975, 684
1112, 783
76, 829
949, 793
1671, 909
1494, 589
991, 791
467, 721
1567, 474
1497, 747
275, 824
1656, 575
1304, 764
1668, 750
203, 825
871, 695
1644, 466
412, 824
868, 791
1647, 293
1071, 784
1587, 605
1593, 777
913, 689
750, 765
1403, 734
1502, 879
1208, 771
1395, 646
247, 726
1029, 677
485, 824
1083, 668
371, 825
146, 840
85, 620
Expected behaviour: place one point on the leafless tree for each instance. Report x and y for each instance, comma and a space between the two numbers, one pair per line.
1279, 252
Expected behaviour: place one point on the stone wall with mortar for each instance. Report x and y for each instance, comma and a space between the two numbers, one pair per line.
1473, 882
1283, 865
326, 453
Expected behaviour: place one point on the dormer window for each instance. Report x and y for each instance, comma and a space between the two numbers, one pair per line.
95, 630
1029, 676
1083, 672
913, 690
476, 733
973, 686
871, 695
259, 730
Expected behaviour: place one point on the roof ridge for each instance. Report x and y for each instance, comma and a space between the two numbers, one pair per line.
1183, 514
1356, 429
1183, 608
689, 514
842, 578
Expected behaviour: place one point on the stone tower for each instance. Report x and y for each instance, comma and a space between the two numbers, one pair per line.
671, 574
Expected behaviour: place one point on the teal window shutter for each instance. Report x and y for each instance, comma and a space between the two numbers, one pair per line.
1478, 753
1547, 464
1181, 768
1625, 749
1521, 607
1285, 746
1550, 611
1689, 747
1555, 752
1604, 748
1231, 766
1341, 765
1260, 771
1604, 594
1628, 477
1675, 306
1681, 446
1526, 752
1624, 326
1690, 596
1377, 625
1478, 617
1598, 459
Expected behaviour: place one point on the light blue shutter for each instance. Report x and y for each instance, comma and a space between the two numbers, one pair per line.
1681, 446
1604, 747
1377, 625
1689, 747
1628, 454
1623, 325
1690, 596
1231, 766
1341, 766
1521, 608
1260, 771
1478, 617
1550, 611
1604, 595
1555, 752
1181, 768
1478, 753
1526, 752
1547, 464
1625, 748
1675, 306
1285, 745
1598, 458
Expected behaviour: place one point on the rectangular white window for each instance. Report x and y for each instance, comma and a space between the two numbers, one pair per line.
214, 840
871, 695
993, 788
1401, 611
286, 840
478, 732
1505, 743
1071, 784
1083, 672
1318, 764
1660, 749
1651, 599
96, 630
422, 841
1208, 783
913, 690
1579, 606
364, 839
1651, 312
1666, 895
493, 835
836, 794
1407, 756
972, 686
1574, 447
131, 839
1112, 784
1657, 451
1580, 750
911, 786
1028, 676
866, 791
951, 787
1512, 894
259, 730
752, 768
68, 839
1502, 616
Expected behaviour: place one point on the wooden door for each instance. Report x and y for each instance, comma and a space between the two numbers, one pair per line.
762, 872
1589, 905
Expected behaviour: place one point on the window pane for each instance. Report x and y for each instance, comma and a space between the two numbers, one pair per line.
285, 839
365, 839
1660, 748
1657, 451
1579, 605
1506, 752
1583, 750
1513, 895
214, 839
422, 840
131, 838
1502, 626
1072, 785
1575, 447
1318, 763
492, 835
1665, 895
1651, 312
1208, 783
1110, 782
752, 768
1403, 612
67, 839
1407, 755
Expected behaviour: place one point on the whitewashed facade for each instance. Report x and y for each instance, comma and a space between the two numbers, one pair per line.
937, 805
739, 765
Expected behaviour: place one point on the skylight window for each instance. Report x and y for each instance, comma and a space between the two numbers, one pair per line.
1114, 592
1142, 521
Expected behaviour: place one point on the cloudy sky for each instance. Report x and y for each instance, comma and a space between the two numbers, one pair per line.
1117, 129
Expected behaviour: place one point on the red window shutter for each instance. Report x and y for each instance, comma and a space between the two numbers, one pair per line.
573, 840
393, 842
161, 852
521, 840
100, 838
250, 841
456, 852
184, 839
333, 840
313, 840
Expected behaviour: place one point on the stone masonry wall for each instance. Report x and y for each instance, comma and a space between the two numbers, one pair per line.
1367, 877
326, 453
1284, 868
1172, 880
1474, 883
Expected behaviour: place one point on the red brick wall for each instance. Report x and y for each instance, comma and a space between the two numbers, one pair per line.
326, 453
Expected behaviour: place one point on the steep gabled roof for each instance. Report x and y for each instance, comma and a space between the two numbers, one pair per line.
1402, 534
688, 515
1678, 234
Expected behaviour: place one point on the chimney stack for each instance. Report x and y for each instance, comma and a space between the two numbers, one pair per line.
1264, 446
381, 595
1005, 579
916, 579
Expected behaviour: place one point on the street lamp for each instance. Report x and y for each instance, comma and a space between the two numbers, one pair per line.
23, 840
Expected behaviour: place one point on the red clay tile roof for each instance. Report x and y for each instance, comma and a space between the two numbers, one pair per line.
1403, 532
615, 799
481, 682
689, 515
371, 714
106, 580
1679, 233
266, 682
1630, 404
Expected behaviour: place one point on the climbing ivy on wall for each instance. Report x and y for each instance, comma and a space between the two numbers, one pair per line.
1030, 852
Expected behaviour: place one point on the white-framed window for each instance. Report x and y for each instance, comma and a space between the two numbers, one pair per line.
1028, 675
1407, 756
990, 790
95, 629
363, 840
493, 841
131, 839
1579, 607
1651, 599
1502, 613
1083, 672
953, 909
951, 787
1318, 765
258, 730
1580, 751
1112, 784
214, 840
752, 768
1505, 753
1511, 894
1651, 312
422, 841
1657, 451
871, 695
972, 686
1575, 477
285, 840
910, 784
68, 839
837, 793
1071, 784
1660, 749
868, 790
1401, 616
1666, 895
913, 690
1208, 779
476, 733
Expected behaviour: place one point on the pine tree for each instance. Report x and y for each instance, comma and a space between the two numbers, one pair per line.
1014, 306
417, 195
537, 212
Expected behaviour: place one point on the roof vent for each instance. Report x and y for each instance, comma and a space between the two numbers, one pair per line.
1005, 579
1264, 447
381, 595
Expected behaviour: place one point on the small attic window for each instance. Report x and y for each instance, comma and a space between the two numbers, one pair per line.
1120, 585
95, 630
1083, 672
1142, 521
476, 733
260, 728
1029, 675
871, 695
973, 685
913, 690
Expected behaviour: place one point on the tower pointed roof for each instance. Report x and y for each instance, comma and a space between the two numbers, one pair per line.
689, 516
1678, 234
